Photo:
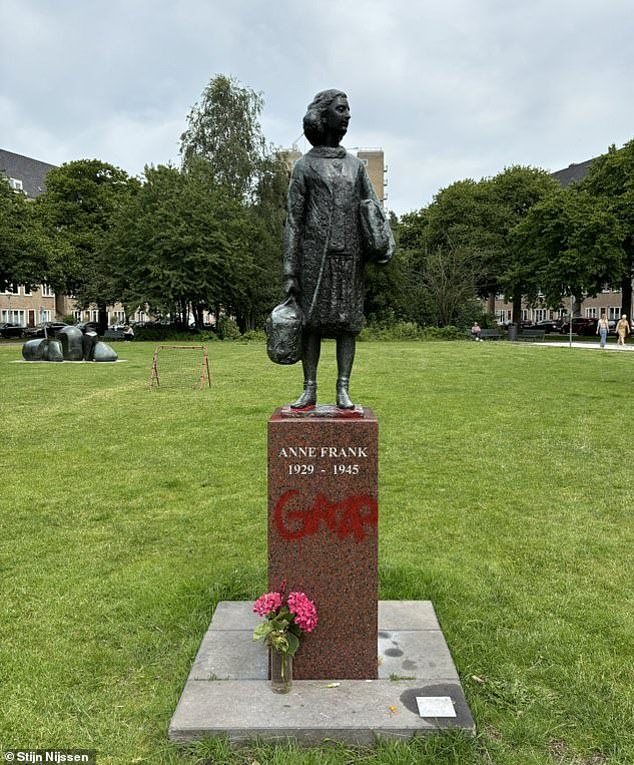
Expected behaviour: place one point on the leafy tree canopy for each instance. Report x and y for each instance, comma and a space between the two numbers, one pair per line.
80, 201
26, 250
224, 129
570, 244
461, 244
182, 243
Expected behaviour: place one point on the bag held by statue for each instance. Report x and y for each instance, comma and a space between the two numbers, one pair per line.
375, 231
284, 333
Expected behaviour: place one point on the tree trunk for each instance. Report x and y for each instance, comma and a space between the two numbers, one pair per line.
102, 320
626, 296
517, 306
626, 282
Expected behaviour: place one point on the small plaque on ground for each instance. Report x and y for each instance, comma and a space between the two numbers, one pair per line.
435, 706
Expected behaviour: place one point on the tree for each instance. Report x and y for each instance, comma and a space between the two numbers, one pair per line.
266, 216
513, 193
611, 180
448, 282
461, 219
571, 243
79, 204
26, 251
178, 245
477, 220
224, 129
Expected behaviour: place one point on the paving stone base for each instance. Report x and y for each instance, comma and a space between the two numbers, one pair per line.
228, 692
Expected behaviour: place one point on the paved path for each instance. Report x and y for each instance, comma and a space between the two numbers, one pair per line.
587, 346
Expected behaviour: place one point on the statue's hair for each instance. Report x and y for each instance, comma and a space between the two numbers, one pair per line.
314, 119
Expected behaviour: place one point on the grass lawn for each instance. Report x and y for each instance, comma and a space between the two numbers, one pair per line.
507, 496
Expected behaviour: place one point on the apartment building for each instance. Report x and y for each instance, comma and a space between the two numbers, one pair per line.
608, 302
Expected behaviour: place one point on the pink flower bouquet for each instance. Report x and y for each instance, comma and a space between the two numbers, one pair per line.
285, 620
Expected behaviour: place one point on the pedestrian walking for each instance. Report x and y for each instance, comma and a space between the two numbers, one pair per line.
622, 330
603, 328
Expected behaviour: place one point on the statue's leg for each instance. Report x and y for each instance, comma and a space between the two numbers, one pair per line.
346, 347
310, 360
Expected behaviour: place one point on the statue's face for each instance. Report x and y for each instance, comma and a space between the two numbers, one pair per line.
337, 115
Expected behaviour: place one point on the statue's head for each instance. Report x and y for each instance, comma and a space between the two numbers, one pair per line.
328, 112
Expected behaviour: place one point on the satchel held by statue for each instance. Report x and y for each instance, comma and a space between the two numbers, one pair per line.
284, 332
375, 230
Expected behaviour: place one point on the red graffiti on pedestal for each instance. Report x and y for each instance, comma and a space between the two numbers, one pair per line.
352, 516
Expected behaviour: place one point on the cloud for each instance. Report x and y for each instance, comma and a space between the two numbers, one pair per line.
448, 90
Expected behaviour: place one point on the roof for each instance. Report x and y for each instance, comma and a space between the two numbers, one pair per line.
572, 173
30, 171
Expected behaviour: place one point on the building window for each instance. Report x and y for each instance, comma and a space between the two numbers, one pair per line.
47, 291
77, 315
614, 312
45, 314
12, 316
11, 289
540, 314
94, 315
27, 290
592, 313
117, 317
16, 184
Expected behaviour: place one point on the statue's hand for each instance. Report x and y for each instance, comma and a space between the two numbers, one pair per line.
291, 287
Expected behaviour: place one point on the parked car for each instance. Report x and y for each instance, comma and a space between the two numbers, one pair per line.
548, 326
11, 330
581, 325
44, 328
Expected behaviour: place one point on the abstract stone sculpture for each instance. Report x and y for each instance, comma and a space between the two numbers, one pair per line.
52, 350
335, 225
33, 350
103, 352
89, 341
71, 339
69, 344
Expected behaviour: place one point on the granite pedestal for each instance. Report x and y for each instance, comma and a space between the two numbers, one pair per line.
228, 693
323, 533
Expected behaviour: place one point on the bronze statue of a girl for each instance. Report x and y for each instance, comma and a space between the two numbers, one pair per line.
333, 213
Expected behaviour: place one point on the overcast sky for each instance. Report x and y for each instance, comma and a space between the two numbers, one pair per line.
450, 89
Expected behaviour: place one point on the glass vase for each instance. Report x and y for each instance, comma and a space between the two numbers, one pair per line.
281, 665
